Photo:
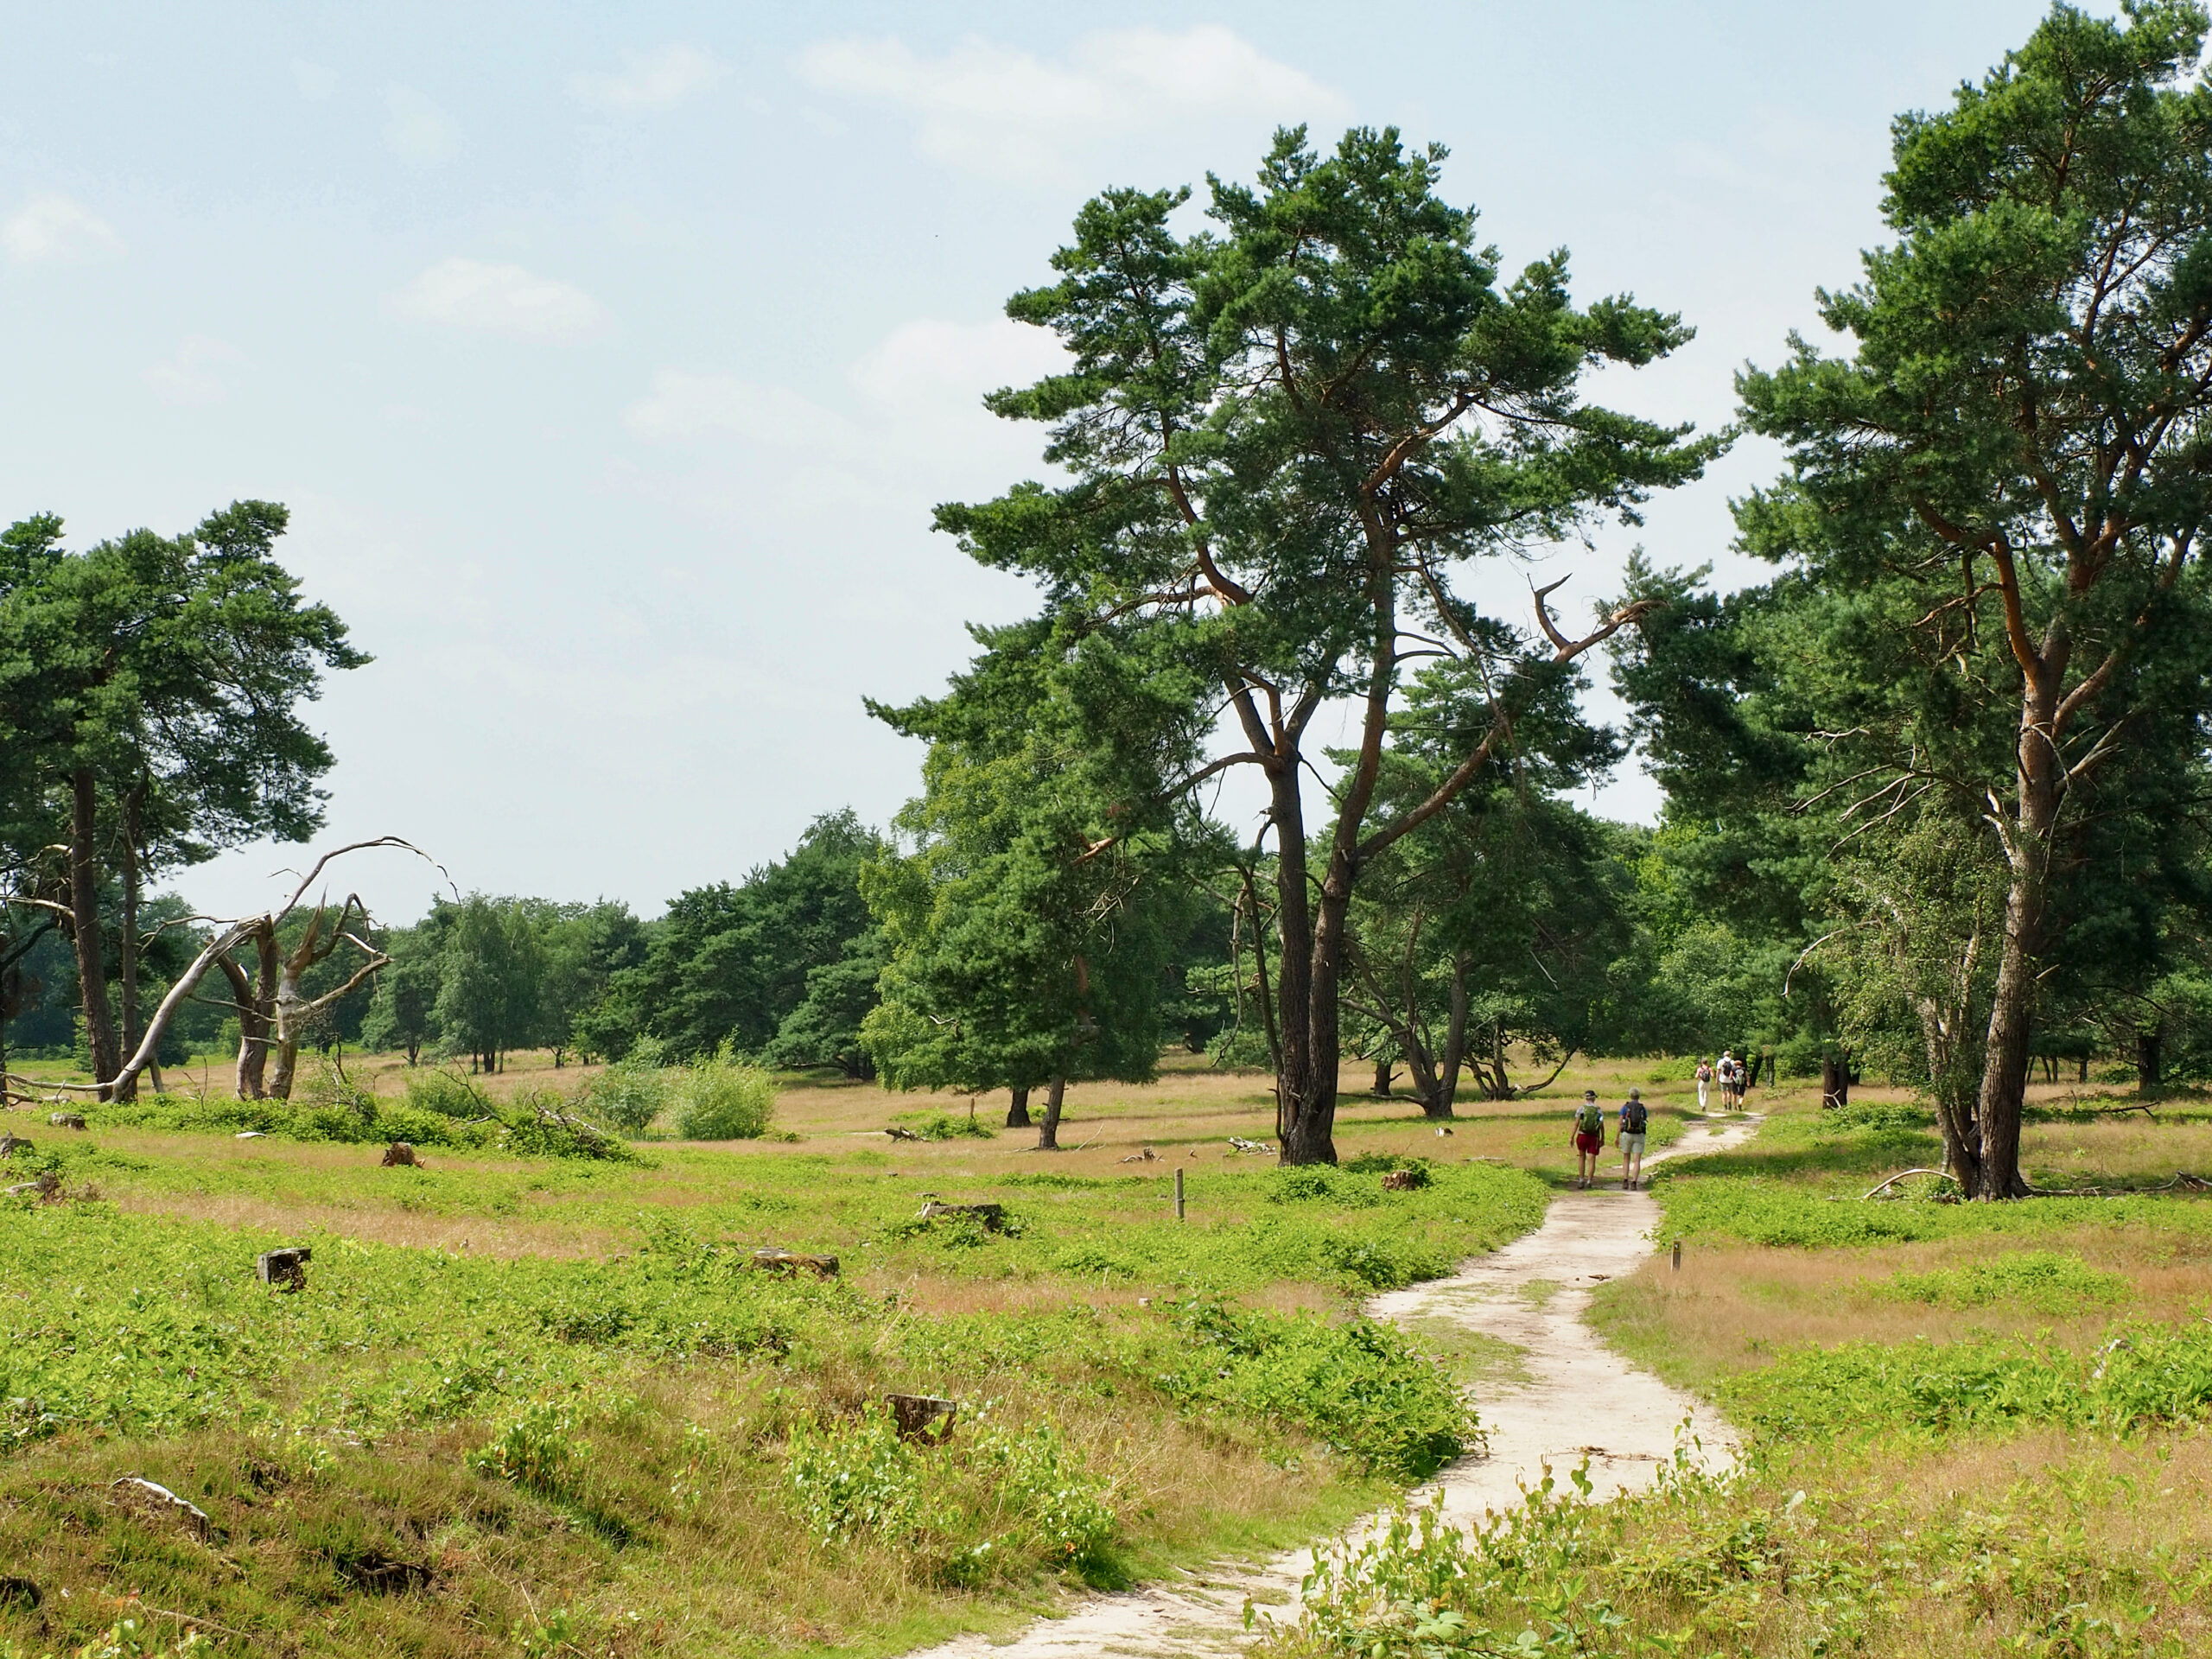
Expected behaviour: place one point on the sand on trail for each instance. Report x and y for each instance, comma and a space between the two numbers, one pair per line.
1575, 1399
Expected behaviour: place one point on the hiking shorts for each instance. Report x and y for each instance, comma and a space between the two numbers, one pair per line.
1631, 1146
1592, 1144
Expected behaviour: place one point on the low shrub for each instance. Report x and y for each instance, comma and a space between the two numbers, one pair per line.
2046, 1280
2141, 1374
720, 1099
447, 1093
991, 1502
628, 1096
944, 1126
1358, 1387
539, 1124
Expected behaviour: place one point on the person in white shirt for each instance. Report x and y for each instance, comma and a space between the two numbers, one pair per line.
1704, 1084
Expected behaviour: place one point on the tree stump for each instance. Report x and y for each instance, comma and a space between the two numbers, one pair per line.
1401, 1180
794, 1261
399, 1153
285, 1270
12, 1144
923, 1417
65, 1119
991, 1215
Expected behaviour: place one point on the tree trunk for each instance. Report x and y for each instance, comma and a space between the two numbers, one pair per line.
257, 1005
127, 946
1384, 1069
2149, 1052
1303, 1093
84, 926
1835, 1082
1455, 1046
1017, 1110
1048, 1132
2012, 1004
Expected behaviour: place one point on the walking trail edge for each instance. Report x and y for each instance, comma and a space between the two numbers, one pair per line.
1532, 1293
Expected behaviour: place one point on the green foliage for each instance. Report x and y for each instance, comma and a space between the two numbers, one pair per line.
945, 1126
536, 1447
730, 964
449, 1094
988, 1503
857, 1476
632, 1091
2139, 1376
1359, 1386
2046, 1280
718, 1097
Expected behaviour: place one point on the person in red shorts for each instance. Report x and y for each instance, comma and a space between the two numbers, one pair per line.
1589, 1137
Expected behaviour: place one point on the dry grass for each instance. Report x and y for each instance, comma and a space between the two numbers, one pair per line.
1731, 1308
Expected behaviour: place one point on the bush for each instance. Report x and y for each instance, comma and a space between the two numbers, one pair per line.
447, 1093
1358, 1387
631, 1093
538, 1125
2046, 1280
719, 1098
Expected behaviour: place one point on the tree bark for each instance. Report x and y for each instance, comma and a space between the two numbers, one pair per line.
1440, 1104
256, 1001
1835, 1082
2013, 1005
1048, 1132
84, 926
1017, 1110
2149, 1046
127, 946
1384, 1069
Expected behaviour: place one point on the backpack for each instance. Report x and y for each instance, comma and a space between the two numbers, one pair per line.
1632, 1117
1591, 1118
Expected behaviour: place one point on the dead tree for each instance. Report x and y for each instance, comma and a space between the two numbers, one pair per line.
272, 1010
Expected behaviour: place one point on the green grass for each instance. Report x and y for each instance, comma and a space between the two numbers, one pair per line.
626, 1429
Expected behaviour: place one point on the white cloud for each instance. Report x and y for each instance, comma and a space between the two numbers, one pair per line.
683, 404
54, 227
191, 379
499, 300
1001, 112
417, 131
932, 363
314, 82
659, 79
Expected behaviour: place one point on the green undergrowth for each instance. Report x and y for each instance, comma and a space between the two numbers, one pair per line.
2139, 1375
1801, 1552
1246, 1227
446, 1112
607, 1410
1801, 1184
1994, 1494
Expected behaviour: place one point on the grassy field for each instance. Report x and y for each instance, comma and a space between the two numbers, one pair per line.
1971, 1429
544, 1405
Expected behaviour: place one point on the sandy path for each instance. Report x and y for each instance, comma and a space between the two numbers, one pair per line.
1578, 1398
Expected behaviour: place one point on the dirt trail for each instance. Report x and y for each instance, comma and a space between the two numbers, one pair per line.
1576, 1398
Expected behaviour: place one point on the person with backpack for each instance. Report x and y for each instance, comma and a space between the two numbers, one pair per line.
1635, 1117
1727, 1070
1704, 1083
1589, 1138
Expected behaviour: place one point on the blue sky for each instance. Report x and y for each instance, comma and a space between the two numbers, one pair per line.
611, 359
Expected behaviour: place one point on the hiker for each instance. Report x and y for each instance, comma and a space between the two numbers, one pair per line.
1589, 1138
1704, 1083
1635, 1118
1727, 1070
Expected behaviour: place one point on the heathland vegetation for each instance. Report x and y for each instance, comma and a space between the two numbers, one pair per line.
631, 1237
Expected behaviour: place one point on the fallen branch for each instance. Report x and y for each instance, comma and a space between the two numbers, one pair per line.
1944, 1174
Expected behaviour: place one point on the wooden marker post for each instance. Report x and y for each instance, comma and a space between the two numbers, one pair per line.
1179, 1195
1678, 1255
